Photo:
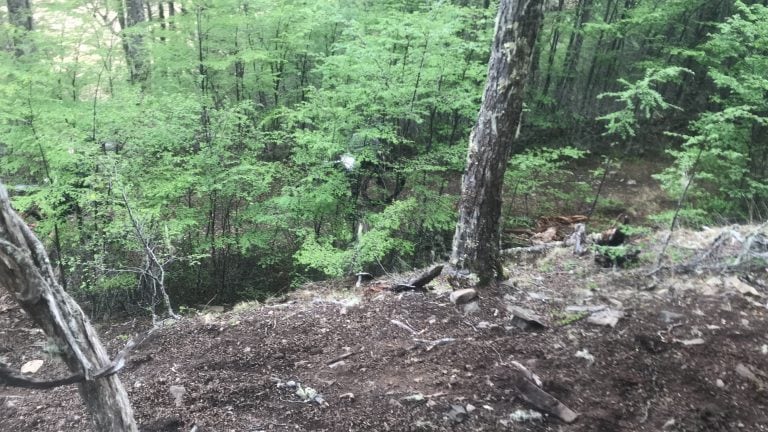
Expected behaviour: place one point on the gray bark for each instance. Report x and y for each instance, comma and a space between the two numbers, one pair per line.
26, 273
136, 54
20, 17
20, 14
476, 242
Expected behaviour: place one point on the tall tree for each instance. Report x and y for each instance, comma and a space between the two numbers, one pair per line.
134, 44
477, 239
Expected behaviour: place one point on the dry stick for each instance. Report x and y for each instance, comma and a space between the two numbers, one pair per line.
599, 188
657, 267
152, 260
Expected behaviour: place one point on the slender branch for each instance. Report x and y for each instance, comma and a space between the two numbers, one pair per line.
680, 201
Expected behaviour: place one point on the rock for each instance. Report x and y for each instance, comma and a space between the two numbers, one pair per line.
423, 425
31, 367
470, 408
457, 413
746, 372
463, 296
525, 415
178, 394
526, 319
607, 317
414, 398
585, 355
737, 285
471, 308
688, 342
668, 316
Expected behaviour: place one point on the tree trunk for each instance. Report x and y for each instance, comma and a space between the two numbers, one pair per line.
26, 273
20, 14
572, 54
476, 242
136, 50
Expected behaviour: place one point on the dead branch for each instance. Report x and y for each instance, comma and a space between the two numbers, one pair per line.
153, 269
341, 357
419, 282
526, 383
426, 277
404, 326
433, 343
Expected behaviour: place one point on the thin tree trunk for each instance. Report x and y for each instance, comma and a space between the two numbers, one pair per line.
476, 242
571, 63
554, 41
26, 273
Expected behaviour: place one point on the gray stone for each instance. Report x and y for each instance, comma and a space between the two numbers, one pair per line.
463, 296
471, 308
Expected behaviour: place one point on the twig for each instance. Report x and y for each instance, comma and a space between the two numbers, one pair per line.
404, 326
680, 201
434, 343
341, 357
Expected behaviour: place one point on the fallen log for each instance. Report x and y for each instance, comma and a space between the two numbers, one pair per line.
419, 282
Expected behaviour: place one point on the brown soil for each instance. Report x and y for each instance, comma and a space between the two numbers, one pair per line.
235, 367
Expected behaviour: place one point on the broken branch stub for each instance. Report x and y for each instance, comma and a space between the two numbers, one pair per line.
26, 273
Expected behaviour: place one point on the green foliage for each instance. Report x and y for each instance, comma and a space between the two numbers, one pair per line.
542, 175
638, 99
231, 153
729, 142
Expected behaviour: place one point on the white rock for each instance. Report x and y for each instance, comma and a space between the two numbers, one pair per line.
178, 394
471, 308
31, 367
585, 355
463, 296
607, 317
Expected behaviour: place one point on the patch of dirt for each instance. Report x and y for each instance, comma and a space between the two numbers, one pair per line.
240, 371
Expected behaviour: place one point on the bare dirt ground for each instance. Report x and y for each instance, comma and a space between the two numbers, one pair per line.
689, 354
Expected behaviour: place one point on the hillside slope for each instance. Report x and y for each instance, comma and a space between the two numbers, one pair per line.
671, 363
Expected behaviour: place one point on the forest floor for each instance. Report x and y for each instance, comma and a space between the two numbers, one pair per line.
690, 353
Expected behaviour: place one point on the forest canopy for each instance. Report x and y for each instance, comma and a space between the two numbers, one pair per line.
256, 145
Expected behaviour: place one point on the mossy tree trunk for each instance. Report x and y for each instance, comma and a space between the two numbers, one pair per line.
476, 242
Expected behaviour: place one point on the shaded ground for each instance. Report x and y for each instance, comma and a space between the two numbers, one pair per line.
237, 368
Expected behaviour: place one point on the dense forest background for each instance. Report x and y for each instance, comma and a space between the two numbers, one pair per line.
233, 149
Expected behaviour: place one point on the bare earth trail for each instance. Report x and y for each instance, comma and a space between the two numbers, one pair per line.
675, 362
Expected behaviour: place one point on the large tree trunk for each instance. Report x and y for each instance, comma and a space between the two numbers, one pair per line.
476, 242
26, 273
